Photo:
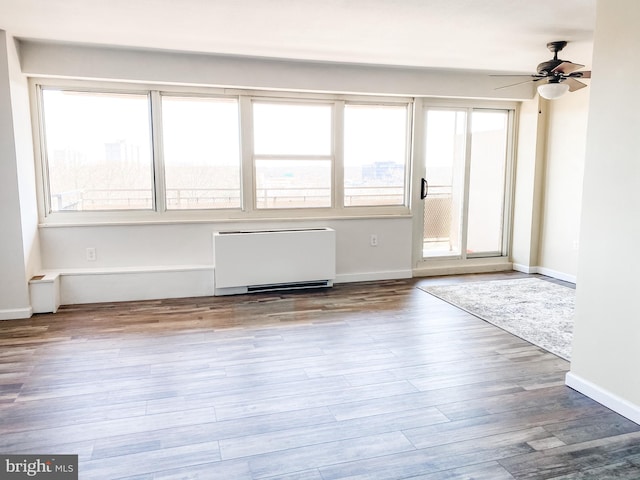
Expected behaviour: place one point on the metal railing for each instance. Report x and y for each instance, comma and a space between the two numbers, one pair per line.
185, 198
437, 214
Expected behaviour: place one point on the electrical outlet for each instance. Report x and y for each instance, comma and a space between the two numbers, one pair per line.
91, 254
373, 240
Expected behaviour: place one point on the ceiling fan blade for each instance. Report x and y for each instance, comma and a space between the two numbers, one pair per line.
574, 84
532, 75
586, 74
519, 83
567, 68
532, 78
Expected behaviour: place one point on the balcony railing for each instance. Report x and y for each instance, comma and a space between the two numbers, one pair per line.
437, 211
437, 214
221, 198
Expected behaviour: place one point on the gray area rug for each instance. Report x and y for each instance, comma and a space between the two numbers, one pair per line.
535, 310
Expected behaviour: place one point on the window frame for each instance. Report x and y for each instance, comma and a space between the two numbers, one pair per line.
248, 211
42, 173
331, 156
421, 105
160, 152
408, 154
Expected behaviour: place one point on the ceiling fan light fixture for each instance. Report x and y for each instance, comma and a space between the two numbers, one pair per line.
553, 90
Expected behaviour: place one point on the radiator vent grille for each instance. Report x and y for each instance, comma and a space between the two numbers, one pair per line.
289, 286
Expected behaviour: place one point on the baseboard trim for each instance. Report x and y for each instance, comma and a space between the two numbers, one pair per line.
524, 268
555, 274
372, 276
135, 283
16, 313
604, 397
545, 271
78, 286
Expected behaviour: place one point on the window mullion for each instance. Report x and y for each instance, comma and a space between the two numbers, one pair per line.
41, 147
467, 182
338, 156
247, 167
159, 187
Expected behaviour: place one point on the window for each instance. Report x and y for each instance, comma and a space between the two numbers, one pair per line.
201, 147
98, 150
116, 152
375, 154
293, 158
489, 130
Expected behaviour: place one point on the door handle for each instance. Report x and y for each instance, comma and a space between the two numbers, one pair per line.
424, 189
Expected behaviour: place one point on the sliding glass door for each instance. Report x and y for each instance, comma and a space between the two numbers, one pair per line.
464, 189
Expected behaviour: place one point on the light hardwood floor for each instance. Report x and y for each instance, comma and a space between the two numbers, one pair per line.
361, 381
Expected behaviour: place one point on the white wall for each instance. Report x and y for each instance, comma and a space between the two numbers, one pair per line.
15, 244
527, 201
94, 62
548, 193
564, 166
25, 161
606, 351
183, 245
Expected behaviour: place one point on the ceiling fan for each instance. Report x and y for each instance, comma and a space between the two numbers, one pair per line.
557, 76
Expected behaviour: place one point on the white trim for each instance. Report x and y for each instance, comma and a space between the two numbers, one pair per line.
337, 148
157, 151
90, 285
44, 291
135, 283
545, 271
524, 268
460, 268
604, 397
423, 264
418, 171
455, 265
372, 276
273, 216
510, 179
16, 313
463, 213
116, 270
555, 274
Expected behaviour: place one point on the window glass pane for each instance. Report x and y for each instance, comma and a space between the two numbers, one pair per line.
486, 181
98, 151
293, 183
291, 129
445, 151
375, 142
201, 152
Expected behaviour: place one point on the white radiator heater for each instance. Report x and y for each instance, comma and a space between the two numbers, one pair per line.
263, 260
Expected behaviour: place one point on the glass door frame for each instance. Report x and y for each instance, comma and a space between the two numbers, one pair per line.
422, 105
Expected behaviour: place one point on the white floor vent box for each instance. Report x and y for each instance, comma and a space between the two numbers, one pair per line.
261, 260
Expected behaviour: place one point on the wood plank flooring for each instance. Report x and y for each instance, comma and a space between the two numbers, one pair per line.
361, 381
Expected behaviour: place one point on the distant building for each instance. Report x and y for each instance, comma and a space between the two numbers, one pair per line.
382, 171
121, 151
67, 156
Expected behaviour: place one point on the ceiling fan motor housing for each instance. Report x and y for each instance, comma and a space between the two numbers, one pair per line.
546, 68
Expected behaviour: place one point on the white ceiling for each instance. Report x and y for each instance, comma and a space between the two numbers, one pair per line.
488, 35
